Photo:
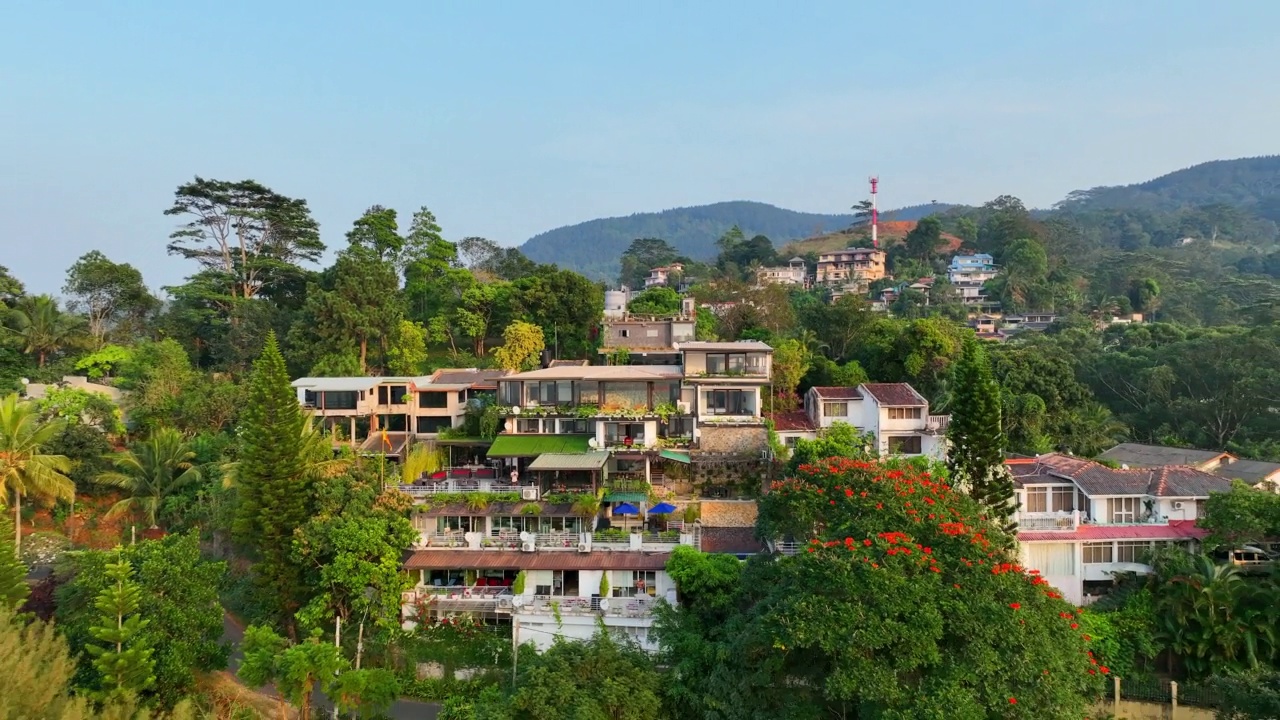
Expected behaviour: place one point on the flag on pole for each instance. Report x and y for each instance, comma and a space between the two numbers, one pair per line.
386, 441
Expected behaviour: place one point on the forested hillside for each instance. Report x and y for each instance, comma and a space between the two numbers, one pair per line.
1242, 183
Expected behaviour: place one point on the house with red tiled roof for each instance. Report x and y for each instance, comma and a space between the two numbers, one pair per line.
894, 413
1080, 522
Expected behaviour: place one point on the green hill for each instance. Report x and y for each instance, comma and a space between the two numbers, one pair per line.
1247, 183
594, 247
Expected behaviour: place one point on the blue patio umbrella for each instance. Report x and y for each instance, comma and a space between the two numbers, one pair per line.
662, 509
626, 509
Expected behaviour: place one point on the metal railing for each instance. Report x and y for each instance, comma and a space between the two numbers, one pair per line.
937, 423
1048, 521
640, 606
459, 485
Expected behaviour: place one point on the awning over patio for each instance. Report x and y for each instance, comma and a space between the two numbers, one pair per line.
626, 497
678, 456
570, 461
534, 445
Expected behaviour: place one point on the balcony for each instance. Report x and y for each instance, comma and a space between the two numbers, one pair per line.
1048, 521
937, 424
639, 606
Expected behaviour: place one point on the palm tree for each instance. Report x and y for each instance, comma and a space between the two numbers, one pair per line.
152, 472
43, 328
23, 468
1094, 429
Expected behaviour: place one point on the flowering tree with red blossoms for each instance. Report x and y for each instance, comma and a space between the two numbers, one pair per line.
904, 602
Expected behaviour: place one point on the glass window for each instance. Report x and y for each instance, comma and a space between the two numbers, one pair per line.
459, 523
756, 363
510, 393
1096, 553
904, 413
398, 393
626, 395
578, 427
1064, 499
433, 399
588, 392
904, 445
716, 364
737, 362
532, 392
727, 402
433, 424
1131, 551
618, 433
531, 425
1122, 510
338, 400
835, 409
678, 427
1036, 500
666, 392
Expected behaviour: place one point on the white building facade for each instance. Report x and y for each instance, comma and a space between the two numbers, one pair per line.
894, 413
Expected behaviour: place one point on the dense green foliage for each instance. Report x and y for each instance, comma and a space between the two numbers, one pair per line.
976, 456
902, 571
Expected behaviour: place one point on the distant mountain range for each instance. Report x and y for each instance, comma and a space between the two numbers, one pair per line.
594, 247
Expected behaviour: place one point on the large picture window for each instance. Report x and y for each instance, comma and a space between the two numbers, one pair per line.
1122, 510
728, 402
1037, 500
1097, 553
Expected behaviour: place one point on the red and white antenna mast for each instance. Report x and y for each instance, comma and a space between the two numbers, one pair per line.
875, 216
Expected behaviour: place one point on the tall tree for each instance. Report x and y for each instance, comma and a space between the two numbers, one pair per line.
121, 656
924, 239
377, 232
976, 455
13, 574
353, 543
790, 363
110, 294
522, 344
24, 468
244, 234
275, 492
407, 349
361, 302
11, 288
42, 328
481, 309
152, 472
295, 670
566, 305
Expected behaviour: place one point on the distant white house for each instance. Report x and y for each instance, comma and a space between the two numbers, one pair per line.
894, 413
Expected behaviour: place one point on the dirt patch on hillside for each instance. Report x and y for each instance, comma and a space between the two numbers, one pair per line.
889, 233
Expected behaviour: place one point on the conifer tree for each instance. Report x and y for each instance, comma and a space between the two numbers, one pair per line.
13, 574
122, 658
275, 492
976, 456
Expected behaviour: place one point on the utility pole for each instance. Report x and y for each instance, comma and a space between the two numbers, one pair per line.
515, 647
337, 642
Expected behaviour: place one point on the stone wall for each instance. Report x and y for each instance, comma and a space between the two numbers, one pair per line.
733, 440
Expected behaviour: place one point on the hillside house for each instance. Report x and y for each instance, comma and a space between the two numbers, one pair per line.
968, 274
361, 408
793, 273
859, 266
650, 340
663, 276
1079, 522
894, 413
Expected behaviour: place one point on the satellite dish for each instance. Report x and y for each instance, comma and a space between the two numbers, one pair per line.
604, 604
525, 537
593, 443
517, 601
515, 409
24, 381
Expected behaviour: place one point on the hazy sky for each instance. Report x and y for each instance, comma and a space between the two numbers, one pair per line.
515, 118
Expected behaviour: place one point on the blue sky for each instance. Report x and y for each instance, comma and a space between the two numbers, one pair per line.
515, 118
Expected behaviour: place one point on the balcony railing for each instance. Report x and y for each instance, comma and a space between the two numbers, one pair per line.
444, 486
639, 606
1049, 521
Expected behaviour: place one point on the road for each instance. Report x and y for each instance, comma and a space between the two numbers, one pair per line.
233, 632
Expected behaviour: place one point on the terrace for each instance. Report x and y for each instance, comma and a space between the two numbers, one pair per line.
1048, 521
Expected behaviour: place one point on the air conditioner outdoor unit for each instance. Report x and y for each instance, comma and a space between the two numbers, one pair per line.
1177, 505
528, 493
528, 546
584, 548
682, 406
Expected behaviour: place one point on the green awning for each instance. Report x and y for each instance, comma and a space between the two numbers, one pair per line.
570, 461
628, 497
680, 457
534, 445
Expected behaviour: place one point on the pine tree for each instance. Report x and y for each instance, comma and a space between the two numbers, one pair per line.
275, 492
123, 659
976, 456
13, 574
